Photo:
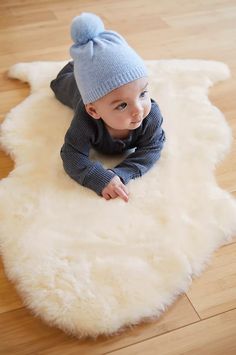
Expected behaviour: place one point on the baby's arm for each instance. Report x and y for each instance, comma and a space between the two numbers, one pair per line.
76, 162
86, 172
91, 174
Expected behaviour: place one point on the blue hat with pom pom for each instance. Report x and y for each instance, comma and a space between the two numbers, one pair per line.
103, 60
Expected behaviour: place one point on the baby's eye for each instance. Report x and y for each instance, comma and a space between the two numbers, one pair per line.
122, 106
143, 94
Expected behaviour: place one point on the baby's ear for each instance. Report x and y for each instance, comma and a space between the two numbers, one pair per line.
91, 110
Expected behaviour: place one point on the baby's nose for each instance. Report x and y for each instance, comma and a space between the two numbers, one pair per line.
137, 110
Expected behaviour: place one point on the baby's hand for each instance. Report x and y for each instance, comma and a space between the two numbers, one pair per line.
114, 189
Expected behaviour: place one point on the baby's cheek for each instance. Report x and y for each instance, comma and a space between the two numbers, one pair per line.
147, 108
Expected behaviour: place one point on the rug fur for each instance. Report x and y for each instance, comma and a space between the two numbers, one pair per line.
91, 266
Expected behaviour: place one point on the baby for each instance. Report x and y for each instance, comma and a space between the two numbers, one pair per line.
106, 85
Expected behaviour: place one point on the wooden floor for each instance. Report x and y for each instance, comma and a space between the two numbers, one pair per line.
203, 321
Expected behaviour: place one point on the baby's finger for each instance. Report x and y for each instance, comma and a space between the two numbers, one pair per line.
106, 196
125, 189
119, 190
113, 193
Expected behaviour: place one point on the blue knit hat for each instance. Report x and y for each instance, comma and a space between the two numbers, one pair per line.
103, 61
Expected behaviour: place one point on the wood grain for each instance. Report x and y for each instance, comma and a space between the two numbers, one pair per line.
205, 338
215, 291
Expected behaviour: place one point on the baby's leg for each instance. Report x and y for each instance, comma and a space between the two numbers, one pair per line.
65, 87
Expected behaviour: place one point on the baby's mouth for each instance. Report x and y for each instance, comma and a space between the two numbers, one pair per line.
135, 122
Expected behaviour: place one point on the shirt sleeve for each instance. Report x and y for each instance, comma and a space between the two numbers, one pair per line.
148, 151
75, 156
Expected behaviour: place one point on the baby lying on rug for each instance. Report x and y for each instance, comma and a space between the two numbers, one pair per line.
106, 86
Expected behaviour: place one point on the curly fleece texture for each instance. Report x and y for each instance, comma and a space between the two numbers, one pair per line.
91, 266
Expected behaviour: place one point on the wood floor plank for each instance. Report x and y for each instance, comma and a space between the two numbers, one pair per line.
7, 164
215, 291
9, 299
205, 338
21, 333
26, 19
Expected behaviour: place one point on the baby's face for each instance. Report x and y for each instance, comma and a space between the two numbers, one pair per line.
125, 107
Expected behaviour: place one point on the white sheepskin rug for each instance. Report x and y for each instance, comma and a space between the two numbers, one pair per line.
91, 266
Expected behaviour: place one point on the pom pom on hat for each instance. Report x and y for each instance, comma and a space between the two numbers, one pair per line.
103, 60
85, 27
